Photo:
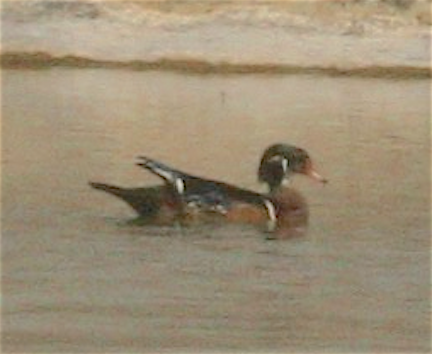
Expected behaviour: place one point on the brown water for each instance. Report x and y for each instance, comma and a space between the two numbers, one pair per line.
77, 279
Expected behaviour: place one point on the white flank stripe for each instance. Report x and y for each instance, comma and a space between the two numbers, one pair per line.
179, 184
271, 224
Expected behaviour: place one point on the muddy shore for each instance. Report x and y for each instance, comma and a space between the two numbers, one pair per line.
46, 61
388, 39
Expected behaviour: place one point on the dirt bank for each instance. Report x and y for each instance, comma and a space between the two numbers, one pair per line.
46, 61
382, 39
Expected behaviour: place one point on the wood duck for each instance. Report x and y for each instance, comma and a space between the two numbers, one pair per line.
189, 199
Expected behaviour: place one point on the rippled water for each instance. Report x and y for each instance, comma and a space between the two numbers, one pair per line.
77, 278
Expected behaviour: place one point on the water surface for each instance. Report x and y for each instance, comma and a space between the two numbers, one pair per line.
77, 278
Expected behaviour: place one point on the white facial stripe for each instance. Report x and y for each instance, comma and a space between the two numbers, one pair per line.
271, 211
179, 184
285, 165
276, 158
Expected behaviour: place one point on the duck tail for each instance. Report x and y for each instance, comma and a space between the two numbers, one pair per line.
117, 191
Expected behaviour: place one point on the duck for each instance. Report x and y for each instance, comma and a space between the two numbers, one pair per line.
188, 199
280, 162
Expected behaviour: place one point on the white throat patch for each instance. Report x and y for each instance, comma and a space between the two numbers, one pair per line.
286, 181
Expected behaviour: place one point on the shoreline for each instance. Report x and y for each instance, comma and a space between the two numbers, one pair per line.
44, 61
387, 39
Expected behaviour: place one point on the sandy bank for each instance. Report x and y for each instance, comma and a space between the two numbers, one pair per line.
378, 39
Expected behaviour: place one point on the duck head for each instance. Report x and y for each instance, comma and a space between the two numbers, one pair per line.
280, 161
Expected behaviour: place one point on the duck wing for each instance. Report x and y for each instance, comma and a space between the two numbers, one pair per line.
205, 194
